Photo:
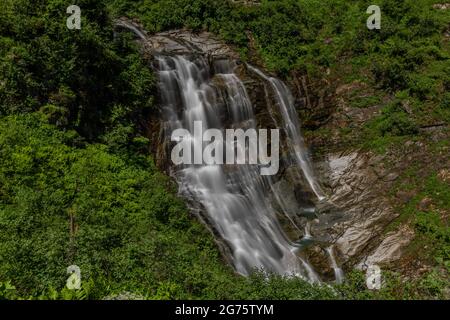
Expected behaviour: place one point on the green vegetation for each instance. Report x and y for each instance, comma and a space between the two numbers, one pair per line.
427, 212
88, 80
422, 198
77, 185
112, 215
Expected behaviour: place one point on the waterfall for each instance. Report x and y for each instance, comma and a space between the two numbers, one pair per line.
131, 27
234, 198
338, 273
239, 203
292, 126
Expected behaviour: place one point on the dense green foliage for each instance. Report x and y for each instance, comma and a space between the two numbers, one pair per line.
76, 185
426, 212
112, 216
87, 79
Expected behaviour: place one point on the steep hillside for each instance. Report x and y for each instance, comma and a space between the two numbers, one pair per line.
79, 112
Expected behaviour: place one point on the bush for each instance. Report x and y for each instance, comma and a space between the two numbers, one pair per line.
395, 121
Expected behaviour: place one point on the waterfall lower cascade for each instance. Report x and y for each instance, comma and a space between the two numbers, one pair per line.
234, 198
339, 274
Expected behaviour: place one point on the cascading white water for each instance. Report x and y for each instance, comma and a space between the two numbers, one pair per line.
234, 198
338, 273
292, 126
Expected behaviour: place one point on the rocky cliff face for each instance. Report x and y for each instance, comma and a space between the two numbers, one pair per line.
370, 188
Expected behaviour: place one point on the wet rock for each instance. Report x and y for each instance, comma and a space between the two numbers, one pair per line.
179, 41
390, 249
314, 101
288, 202
319, 258
353, 180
